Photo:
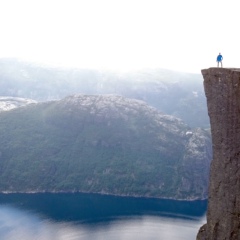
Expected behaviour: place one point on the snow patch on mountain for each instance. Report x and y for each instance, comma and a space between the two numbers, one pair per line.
9, 103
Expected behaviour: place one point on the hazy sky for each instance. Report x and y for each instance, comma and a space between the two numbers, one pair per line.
181, 35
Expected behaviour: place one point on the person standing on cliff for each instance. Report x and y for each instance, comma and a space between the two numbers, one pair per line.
219, 59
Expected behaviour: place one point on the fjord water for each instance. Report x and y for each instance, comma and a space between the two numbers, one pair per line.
97, 217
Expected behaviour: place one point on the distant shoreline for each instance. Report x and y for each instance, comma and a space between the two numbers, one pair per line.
101, 193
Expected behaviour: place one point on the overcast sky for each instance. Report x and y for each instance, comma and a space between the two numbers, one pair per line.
183, 35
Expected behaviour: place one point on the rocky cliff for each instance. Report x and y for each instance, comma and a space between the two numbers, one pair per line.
222, 88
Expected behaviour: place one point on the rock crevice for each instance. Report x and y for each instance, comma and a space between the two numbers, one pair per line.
222, 89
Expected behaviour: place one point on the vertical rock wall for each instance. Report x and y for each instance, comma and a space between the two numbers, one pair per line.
222, 89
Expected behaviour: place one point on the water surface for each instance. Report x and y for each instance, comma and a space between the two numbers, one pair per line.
92, 216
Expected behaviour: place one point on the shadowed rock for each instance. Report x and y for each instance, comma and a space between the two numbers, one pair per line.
222, 88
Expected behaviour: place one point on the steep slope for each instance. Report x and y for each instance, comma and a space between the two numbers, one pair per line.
174, 93
105, 144
222, 88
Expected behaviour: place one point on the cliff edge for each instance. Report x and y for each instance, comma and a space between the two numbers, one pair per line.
222, 89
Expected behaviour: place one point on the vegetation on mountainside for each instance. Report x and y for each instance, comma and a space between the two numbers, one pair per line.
105, 144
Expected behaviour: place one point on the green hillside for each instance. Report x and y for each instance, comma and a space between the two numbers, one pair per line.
105, 144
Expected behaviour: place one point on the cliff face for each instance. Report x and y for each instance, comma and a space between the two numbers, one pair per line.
222, 88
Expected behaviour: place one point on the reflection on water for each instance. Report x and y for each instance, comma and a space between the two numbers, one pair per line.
41, 217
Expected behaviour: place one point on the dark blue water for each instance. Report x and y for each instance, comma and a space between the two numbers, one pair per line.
92, 216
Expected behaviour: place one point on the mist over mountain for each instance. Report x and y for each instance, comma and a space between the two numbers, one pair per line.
105, 144
175, 93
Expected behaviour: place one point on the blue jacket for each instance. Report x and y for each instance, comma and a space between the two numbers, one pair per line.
219, 58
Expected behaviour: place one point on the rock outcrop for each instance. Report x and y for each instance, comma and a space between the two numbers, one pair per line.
222, 88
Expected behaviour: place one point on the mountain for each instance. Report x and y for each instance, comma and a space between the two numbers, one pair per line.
104, 144
175, 93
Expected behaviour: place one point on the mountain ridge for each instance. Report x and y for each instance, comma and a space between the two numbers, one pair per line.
175, 93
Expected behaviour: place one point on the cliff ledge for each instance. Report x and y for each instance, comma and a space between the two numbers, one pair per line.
222, 89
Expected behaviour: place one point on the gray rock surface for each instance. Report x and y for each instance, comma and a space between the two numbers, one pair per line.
222, 88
